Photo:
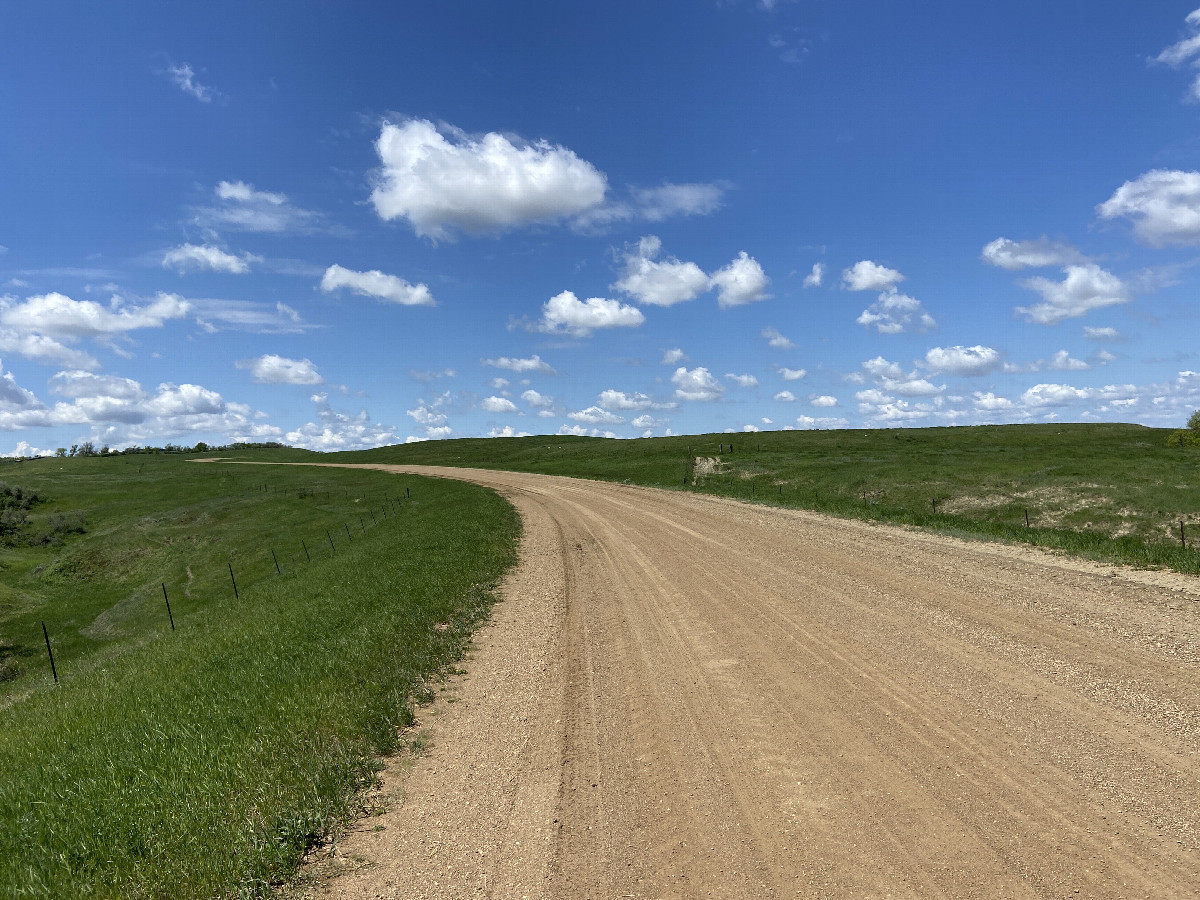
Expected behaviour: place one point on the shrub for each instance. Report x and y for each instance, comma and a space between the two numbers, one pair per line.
1185, 437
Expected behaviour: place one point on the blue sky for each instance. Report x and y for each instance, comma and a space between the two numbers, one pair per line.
352, 224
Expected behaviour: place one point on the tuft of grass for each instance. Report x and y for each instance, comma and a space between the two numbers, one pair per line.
1109, 491
205, 762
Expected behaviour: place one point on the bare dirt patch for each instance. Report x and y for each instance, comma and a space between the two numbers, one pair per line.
684, 696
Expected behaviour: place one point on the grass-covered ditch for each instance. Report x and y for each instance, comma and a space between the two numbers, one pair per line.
1112, 492
203, 762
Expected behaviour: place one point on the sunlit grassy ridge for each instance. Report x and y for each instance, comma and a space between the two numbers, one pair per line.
1111, 491
203, 762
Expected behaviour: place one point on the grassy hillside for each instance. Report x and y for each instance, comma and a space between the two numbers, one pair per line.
1115, 492
203, 762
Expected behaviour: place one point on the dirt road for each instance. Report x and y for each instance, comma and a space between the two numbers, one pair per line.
689, 697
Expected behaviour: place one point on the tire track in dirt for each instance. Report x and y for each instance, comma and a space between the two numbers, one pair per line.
682, 696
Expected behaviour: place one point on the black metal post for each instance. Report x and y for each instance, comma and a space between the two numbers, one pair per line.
53, 670
168, 600
234, 580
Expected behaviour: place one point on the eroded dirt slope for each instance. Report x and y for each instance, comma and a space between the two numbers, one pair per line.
689, 697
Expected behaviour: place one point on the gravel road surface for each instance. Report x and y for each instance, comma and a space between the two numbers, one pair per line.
682, 696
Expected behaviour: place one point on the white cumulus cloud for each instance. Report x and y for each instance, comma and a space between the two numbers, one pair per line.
792, 374
566, 314
374, 283
745, 381
498, 405
536, 400
696, 384
518, 364
673, 357
594, 415
1013, 255
196, 256
866, 275
57, 314
777, 340
823, 400
742, 281
442, 180
659, 283
816, 277
1085, 288
958, 360
272, 369
1164, 206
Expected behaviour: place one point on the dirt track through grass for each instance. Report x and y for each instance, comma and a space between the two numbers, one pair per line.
685, 696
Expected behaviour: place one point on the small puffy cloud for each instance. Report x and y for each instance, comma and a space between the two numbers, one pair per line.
989, 402
894, 313
498, 405
516, 364
696, 384
673, 357
823, 400
648, 421
816, 277
242, 207
1164, 206
431, 416
536, 400
866, 275
507, 431
566, 314
59, 315
791, 374
785, 397
1054, 395
1063, 361
376, 284
745, 381
184, 78
659, 283
882, 368
620, 400
1043, 252
742, 281
1102, 334
272, 369
594, 415
777, 340
499, 383
443, 180
196, 256
966, 361
1085, 288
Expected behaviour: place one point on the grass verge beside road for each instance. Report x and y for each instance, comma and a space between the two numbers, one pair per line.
204, 762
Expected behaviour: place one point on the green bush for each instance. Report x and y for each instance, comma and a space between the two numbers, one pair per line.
1185, 437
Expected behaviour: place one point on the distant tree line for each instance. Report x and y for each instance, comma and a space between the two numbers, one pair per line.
87, 448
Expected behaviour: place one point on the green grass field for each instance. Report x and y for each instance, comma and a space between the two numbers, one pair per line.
203, 762
1111, 492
